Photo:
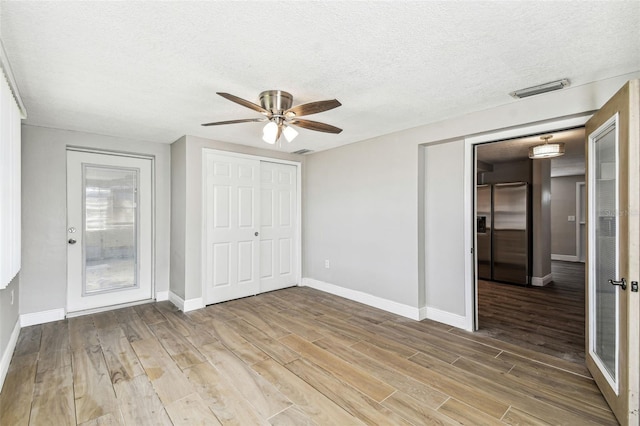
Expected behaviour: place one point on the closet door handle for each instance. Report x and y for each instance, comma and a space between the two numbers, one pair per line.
256, 234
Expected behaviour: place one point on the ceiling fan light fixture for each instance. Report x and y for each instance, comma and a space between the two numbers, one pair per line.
270, 133
276, 106
546, 150
289, 133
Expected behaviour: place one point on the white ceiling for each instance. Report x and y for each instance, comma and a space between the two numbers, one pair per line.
150, 70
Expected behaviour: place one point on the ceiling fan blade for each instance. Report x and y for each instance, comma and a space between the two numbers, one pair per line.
315, 125
245, 120
243, 102
312, 108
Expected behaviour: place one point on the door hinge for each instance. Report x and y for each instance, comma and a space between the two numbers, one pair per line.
634, 286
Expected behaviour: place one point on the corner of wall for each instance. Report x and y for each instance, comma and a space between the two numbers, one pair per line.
7, 352
365, 298
9, 324
186, 305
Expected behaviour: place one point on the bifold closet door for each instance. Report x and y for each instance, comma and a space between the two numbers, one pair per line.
250, 222
278, 230
232, 227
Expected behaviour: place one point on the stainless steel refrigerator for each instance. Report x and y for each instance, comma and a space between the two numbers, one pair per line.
504, 232
483, 227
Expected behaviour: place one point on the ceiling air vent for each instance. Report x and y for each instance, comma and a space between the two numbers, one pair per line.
539, 89
302, 151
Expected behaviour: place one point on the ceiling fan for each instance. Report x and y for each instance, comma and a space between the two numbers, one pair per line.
276, 107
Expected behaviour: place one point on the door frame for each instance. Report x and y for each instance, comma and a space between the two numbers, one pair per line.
152, 158
470, 182
581, 220
203, 225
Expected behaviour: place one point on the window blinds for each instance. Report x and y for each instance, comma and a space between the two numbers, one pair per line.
10, 193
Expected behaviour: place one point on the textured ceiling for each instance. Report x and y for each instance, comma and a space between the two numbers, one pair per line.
150, 70
571, 163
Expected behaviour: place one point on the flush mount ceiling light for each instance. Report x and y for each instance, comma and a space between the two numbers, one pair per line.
276, 107
546, 150
541, 88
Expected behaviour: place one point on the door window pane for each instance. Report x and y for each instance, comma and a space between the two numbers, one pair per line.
110, 228
604, 295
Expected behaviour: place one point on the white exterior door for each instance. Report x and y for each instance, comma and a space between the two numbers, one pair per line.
613, 252
109, 230
278, 226
250, 217
232, 227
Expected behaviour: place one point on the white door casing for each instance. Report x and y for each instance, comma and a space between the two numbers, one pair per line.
471, 290
109, 230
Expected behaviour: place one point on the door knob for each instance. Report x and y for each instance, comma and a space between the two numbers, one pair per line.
72, 241
256, 234
622, 283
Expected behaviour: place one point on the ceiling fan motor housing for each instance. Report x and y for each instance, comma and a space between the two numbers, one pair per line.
276, 100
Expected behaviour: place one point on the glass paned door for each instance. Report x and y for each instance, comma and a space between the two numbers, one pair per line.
604, 264
613, 251
110, 228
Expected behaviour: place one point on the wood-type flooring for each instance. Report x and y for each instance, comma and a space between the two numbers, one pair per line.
546, 319
291, 357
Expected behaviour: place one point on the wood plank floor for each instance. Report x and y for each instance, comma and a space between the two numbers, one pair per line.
546, 319
291, 357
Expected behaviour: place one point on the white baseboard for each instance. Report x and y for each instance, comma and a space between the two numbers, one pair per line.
186, 305
8, 352
367, 299
161, 296
445, 317
403, 310
42, 317
565, 257
541, 281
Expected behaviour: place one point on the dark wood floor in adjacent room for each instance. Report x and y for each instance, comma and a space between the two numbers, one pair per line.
547, 319
291, 357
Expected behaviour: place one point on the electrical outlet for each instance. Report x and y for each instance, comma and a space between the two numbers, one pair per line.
327, 264
12, 296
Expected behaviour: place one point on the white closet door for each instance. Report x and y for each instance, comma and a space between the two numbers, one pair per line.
232, 226
278, 243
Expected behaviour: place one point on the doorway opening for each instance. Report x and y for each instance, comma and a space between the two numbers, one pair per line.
529, 223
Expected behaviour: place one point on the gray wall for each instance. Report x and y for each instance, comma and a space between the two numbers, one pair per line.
43, 279
178, 214
444, 245
186, 265
8, 314
362, 201
563, 205
359, 202
541, 211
